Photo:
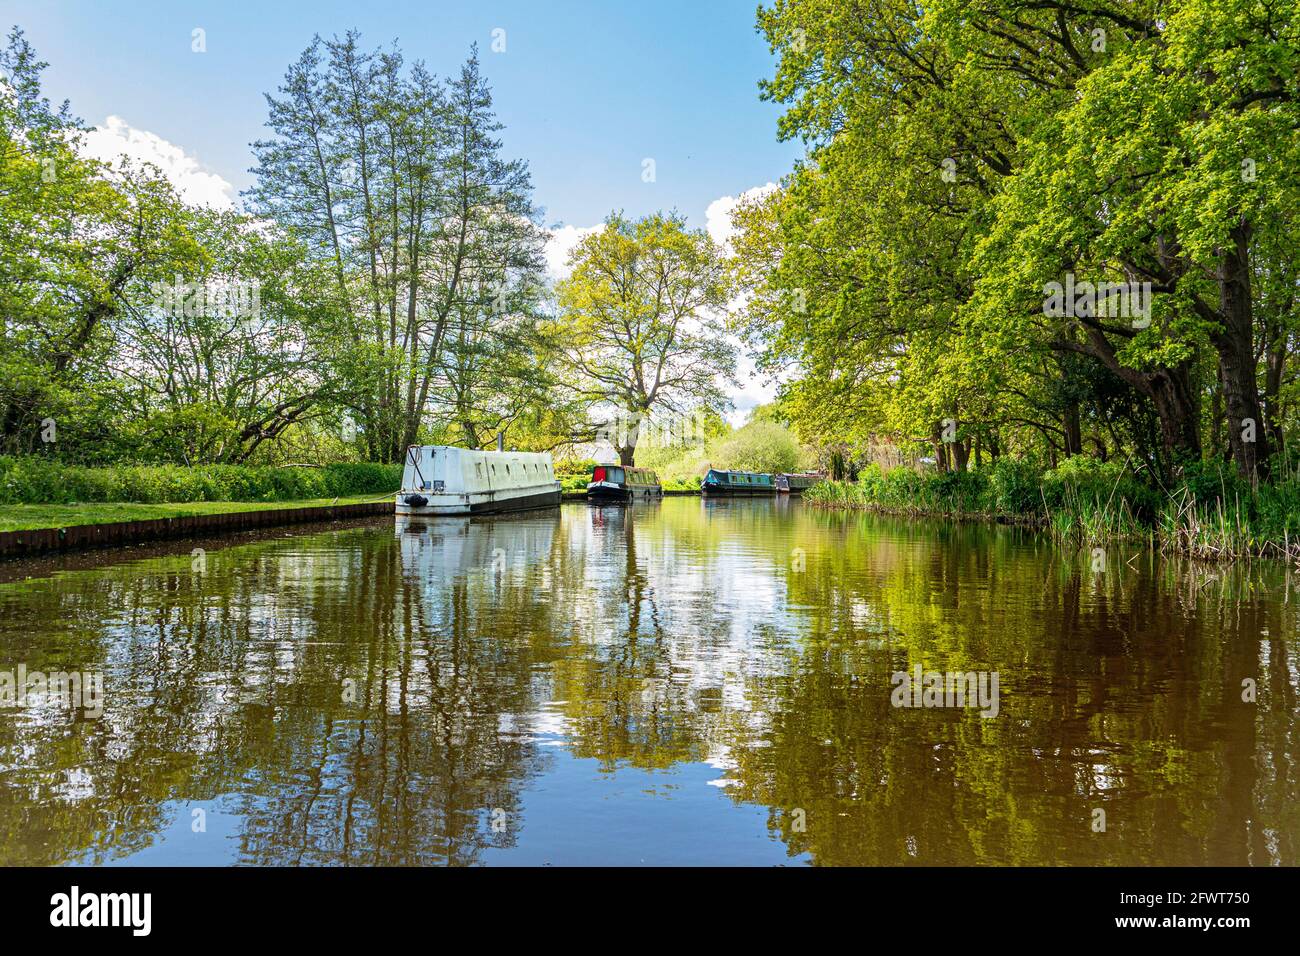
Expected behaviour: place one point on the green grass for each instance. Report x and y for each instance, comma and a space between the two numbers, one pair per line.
32, 517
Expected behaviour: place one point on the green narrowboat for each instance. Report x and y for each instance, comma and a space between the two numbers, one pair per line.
719, 483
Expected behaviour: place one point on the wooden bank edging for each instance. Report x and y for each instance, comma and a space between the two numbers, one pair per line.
21, 544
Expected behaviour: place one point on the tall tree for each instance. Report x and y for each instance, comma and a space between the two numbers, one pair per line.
1120, 143
640, 323
398, 183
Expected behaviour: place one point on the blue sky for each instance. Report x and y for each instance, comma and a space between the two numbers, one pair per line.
587, 90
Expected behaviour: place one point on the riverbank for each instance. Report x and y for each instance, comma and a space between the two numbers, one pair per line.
1210, 514
27, 530
38, 517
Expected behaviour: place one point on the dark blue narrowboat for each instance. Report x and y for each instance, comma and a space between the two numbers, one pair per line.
622, 483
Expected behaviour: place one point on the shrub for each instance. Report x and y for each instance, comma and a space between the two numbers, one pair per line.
1083, 484
1015, 485
761, 446
574, 466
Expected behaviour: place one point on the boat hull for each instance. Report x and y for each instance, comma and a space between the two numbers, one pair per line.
608, 492
725, 492
481, 503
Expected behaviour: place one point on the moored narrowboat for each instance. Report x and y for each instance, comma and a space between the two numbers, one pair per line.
622, 483
795, 484
718, 482
441, 480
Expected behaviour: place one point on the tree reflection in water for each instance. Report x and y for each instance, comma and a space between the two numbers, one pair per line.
380, 694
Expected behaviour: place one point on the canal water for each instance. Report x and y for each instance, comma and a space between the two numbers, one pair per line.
689, 682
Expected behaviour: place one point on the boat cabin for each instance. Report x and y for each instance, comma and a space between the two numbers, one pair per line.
795, 484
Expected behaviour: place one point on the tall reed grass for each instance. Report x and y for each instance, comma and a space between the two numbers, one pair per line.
1212, 514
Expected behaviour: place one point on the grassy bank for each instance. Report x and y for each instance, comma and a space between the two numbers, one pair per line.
1210, 513
35, 517
41, 481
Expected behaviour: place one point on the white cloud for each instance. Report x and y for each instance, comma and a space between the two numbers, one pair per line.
561, 244
717, 218
116, 138
755, 390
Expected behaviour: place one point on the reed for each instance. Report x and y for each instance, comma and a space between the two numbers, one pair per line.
1209, 516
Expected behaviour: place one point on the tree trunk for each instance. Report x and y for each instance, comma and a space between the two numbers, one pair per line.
1170, 390
960, 454
1073, 433
1247, 436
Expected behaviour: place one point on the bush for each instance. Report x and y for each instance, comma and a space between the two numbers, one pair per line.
1087, 485
1209, 482
1015, 485
574, 466
902, 489
761, 446
43, 481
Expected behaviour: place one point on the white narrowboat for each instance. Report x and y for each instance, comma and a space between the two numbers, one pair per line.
441, 480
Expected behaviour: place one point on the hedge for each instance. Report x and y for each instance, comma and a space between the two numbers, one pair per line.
37, 480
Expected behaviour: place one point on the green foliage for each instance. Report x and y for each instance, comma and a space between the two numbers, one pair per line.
633, 331
1212, 514
1015, 484
762, 446
574, 466
1081, 483
902, 268
906, 491
395, 250
34, 480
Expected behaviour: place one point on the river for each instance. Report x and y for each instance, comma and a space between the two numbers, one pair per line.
689, 682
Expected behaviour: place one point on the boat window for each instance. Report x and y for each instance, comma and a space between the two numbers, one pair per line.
478, 469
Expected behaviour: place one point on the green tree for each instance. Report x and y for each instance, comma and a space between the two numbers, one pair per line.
396, 181
640, 322
77, 241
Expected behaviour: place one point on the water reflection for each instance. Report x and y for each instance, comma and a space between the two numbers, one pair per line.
685, 681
